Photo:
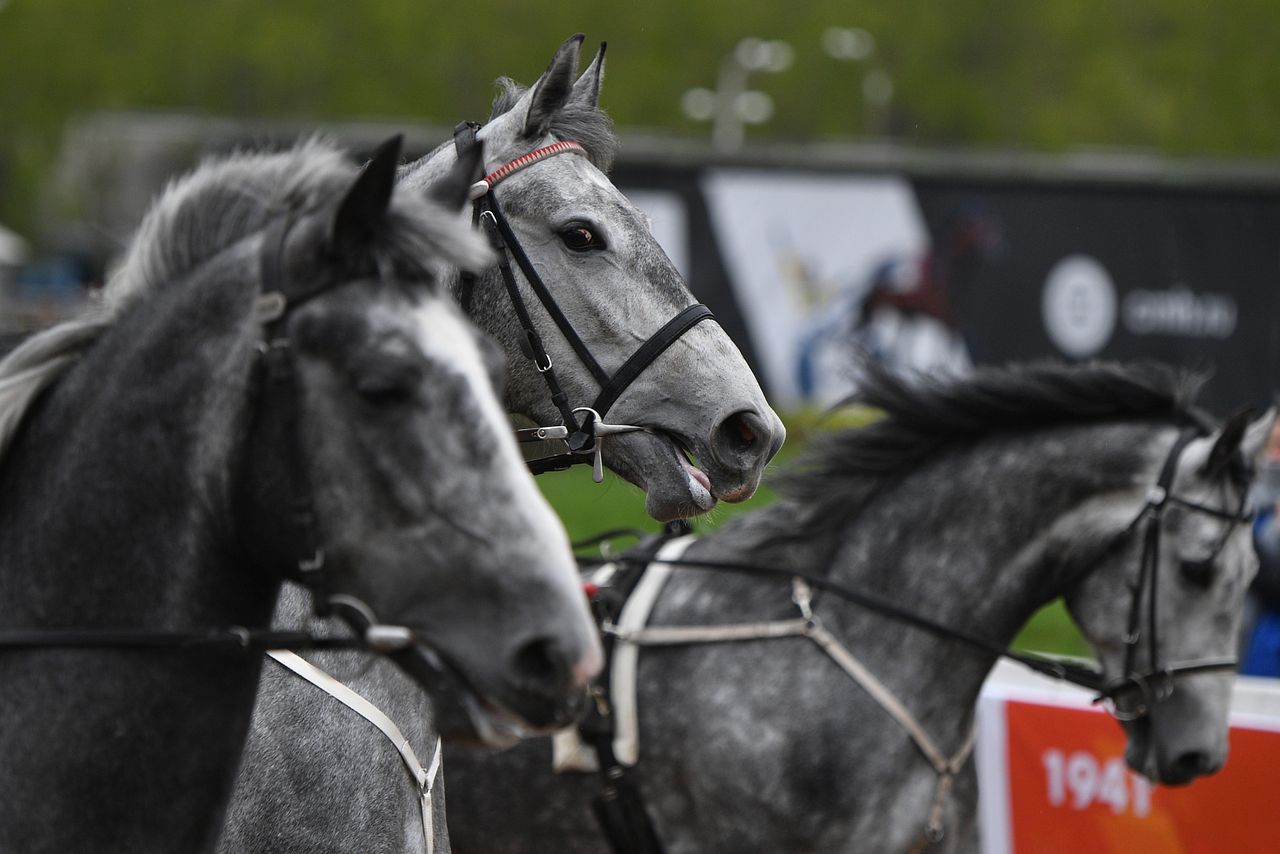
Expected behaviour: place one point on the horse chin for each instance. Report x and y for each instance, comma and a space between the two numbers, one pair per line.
674, 487
1142, 757
493, 725
1138, 753
1147, 755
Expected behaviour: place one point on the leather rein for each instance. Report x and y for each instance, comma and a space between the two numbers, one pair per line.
583, 428
1151, 684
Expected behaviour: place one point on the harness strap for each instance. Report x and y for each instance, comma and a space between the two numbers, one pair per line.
625, 658
946, 767
1055, 668
808, 625
423, 778
728, 633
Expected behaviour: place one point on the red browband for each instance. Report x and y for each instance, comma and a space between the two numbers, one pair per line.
488, 182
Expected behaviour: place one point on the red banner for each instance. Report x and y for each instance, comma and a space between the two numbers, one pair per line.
1070, 791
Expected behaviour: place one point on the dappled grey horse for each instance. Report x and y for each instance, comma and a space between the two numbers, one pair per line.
971, 504
598, 288
271, 386
318, 776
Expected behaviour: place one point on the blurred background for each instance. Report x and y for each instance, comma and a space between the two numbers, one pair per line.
939, 183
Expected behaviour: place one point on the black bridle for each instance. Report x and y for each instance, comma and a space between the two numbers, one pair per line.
279, 394
1152, 684
582, 436
1156, 681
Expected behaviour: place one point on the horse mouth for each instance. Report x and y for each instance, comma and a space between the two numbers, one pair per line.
698, 482
668, 467
495, 725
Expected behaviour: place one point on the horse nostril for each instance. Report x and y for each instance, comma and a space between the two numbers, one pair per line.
740, 432
540, 665
1190, 765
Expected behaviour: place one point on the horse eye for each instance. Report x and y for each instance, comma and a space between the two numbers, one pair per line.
579, 238
1198, 572
384, 394
388, 386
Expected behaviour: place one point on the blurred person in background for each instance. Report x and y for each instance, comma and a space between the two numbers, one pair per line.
1261, 635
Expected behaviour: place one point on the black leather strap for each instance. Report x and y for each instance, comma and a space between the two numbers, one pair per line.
542, 291
464, 138
650, 350
531, 342
231, 638
281, 399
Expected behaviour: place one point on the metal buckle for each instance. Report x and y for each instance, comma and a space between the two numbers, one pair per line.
315, 563
269, 307
1108, 698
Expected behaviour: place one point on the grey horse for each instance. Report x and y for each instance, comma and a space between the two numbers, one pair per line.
274, 342
319, 777
972, 503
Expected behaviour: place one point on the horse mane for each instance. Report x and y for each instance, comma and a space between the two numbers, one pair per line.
922, 414
585, 124
221, 202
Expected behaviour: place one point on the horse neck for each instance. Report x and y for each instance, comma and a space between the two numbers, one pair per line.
125, 469
967, 541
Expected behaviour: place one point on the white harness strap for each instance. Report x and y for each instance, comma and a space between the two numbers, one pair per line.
632, 634
635, 613
423, 778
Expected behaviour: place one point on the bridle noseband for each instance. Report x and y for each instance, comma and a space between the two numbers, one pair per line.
582, 436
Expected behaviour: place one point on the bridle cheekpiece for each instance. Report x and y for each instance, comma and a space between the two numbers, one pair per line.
583, 436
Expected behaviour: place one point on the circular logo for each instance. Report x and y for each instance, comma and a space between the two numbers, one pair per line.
1079, 306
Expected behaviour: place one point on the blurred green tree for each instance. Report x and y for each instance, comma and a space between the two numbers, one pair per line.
1174, 76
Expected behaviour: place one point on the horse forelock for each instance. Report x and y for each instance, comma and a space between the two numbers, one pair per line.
585, 124
922, 414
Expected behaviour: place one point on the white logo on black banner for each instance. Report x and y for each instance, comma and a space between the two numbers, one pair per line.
1181, 313
1079, 306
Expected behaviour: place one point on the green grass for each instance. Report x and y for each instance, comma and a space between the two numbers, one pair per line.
589, 508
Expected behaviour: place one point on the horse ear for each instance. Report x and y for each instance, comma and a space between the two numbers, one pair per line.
553, 89
587, 90
453, 190
1227, 442
368, 198
1257, 435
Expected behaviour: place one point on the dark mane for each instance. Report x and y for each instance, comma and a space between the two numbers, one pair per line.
586, 125
923, 414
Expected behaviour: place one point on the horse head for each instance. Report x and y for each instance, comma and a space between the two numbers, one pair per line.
426, 514
1162, 607
708, 430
